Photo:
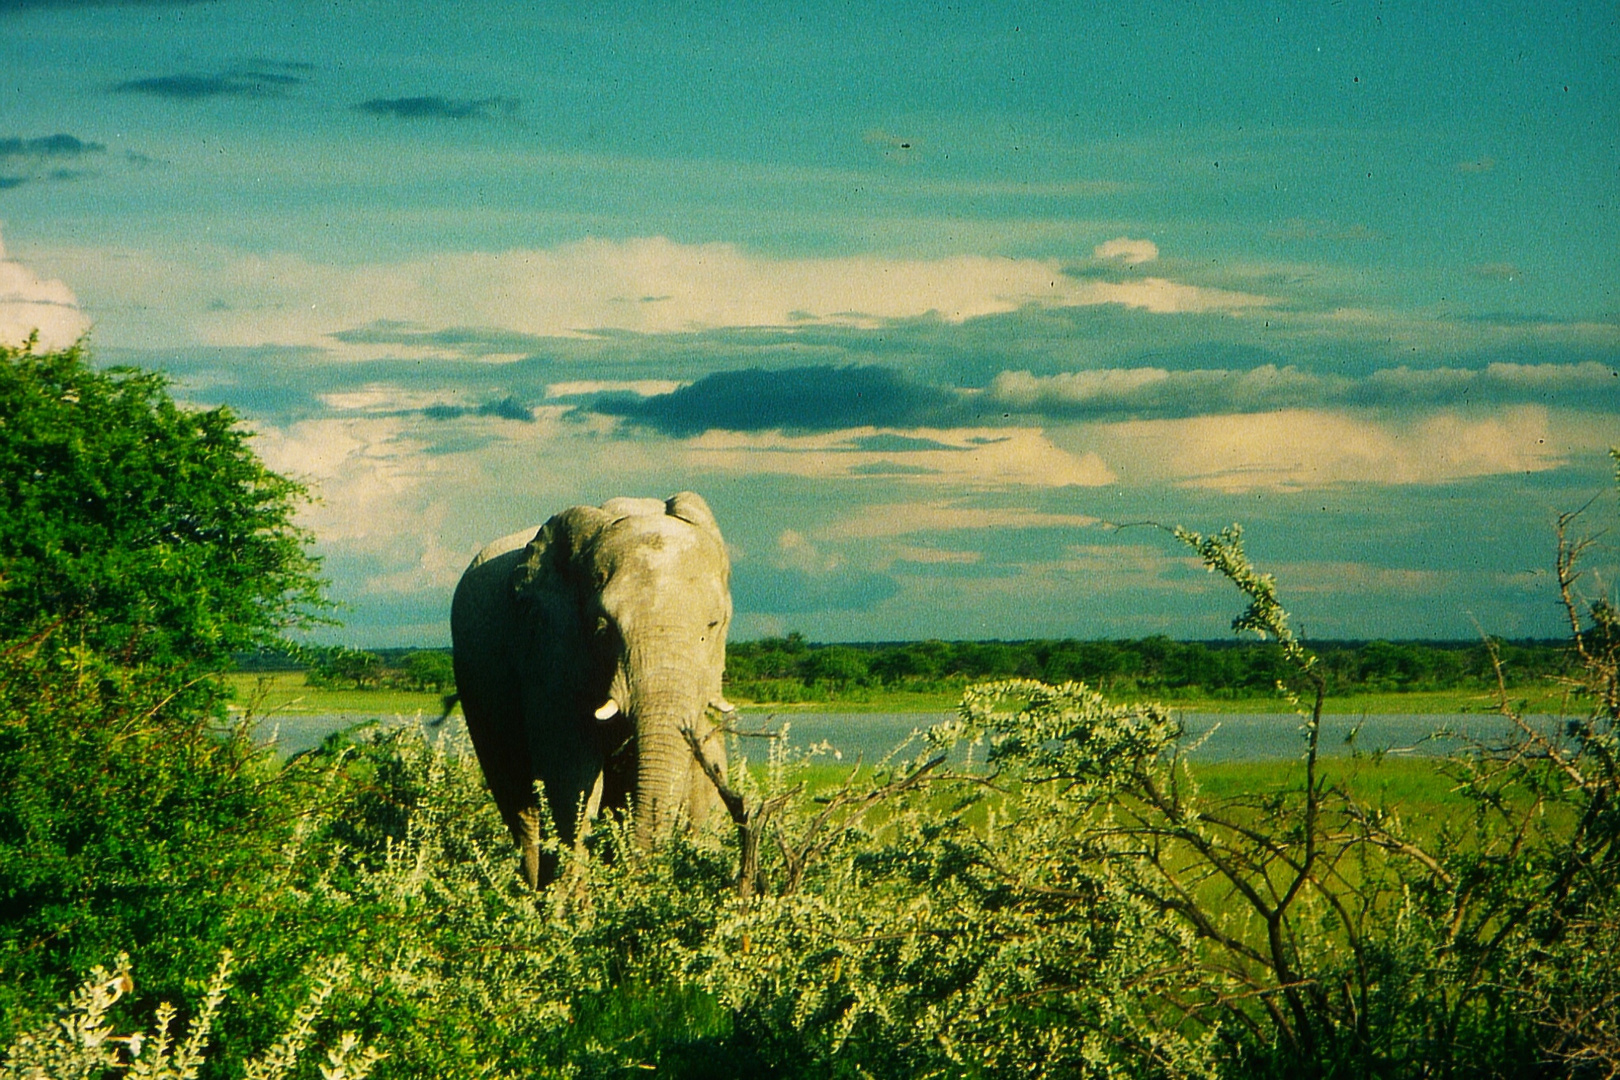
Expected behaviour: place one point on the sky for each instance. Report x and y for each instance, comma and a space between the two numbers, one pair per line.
927, 300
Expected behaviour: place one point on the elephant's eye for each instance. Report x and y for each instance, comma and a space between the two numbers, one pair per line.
601, 624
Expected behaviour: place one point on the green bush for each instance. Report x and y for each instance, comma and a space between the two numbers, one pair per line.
134, 819
151, 529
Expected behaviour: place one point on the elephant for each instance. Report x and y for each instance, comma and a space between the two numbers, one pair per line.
584, 651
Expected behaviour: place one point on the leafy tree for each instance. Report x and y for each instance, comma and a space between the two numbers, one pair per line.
429, 670
151, 528
836, 666
341, 666
127, 822
915, 660
141, 543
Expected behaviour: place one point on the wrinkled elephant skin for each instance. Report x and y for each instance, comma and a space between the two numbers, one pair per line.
582, 651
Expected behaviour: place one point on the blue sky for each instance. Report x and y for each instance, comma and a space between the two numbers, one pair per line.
923, 298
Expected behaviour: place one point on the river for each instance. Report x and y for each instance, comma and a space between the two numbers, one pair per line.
871, 736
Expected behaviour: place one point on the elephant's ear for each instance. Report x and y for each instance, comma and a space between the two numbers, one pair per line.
547, 561
690, 508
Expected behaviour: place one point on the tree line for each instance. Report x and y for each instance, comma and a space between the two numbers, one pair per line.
778, 668
792, 668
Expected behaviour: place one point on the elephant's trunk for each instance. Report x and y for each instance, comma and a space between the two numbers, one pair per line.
662, 706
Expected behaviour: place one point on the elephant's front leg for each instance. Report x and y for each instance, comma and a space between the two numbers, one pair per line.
571, 773
528, 838
573, 802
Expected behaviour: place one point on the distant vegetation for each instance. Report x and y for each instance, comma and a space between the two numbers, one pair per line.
788, 669
1076, 902
792, 669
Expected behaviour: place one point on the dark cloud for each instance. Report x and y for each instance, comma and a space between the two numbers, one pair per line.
48, 146
465, 340
507, 408
791, 399
438, 108
35, 158
268, 80
888, 442
1589, 383
829, 398
890, 468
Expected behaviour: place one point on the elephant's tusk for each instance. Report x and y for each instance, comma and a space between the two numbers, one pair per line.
608, 711
724, 706
593, 804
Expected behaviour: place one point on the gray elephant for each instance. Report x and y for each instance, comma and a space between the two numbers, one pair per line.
582, 651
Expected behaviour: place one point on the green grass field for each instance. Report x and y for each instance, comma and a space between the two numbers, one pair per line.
287, 692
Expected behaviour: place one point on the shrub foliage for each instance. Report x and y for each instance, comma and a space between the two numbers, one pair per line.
151, 528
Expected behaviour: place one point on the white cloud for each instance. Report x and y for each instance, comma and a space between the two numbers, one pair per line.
1148, 390
1027, 391
977, 457
640, 387
1194, 391
1164, 297
1133, 252
381, 397
29, 302
906, 519
363, 469
380, 496
1296, 449
1586, 376
794, 551
648, 285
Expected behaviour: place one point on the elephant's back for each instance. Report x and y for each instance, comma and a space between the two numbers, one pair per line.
481, 607
483, 598
505, 545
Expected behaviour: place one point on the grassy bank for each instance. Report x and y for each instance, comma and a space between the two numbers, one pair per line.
288, 692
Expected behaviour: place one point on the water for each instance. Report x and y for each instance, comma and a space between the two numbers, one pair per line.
1225, 736
871, 736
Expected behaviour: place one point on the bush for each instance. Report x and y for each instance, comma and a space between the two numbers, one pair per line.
429, 670
140, 544
135, 819
81, 1042
150, 529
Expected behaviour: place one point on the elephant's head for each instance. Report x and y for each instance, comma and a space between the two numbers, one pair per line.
642, 588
